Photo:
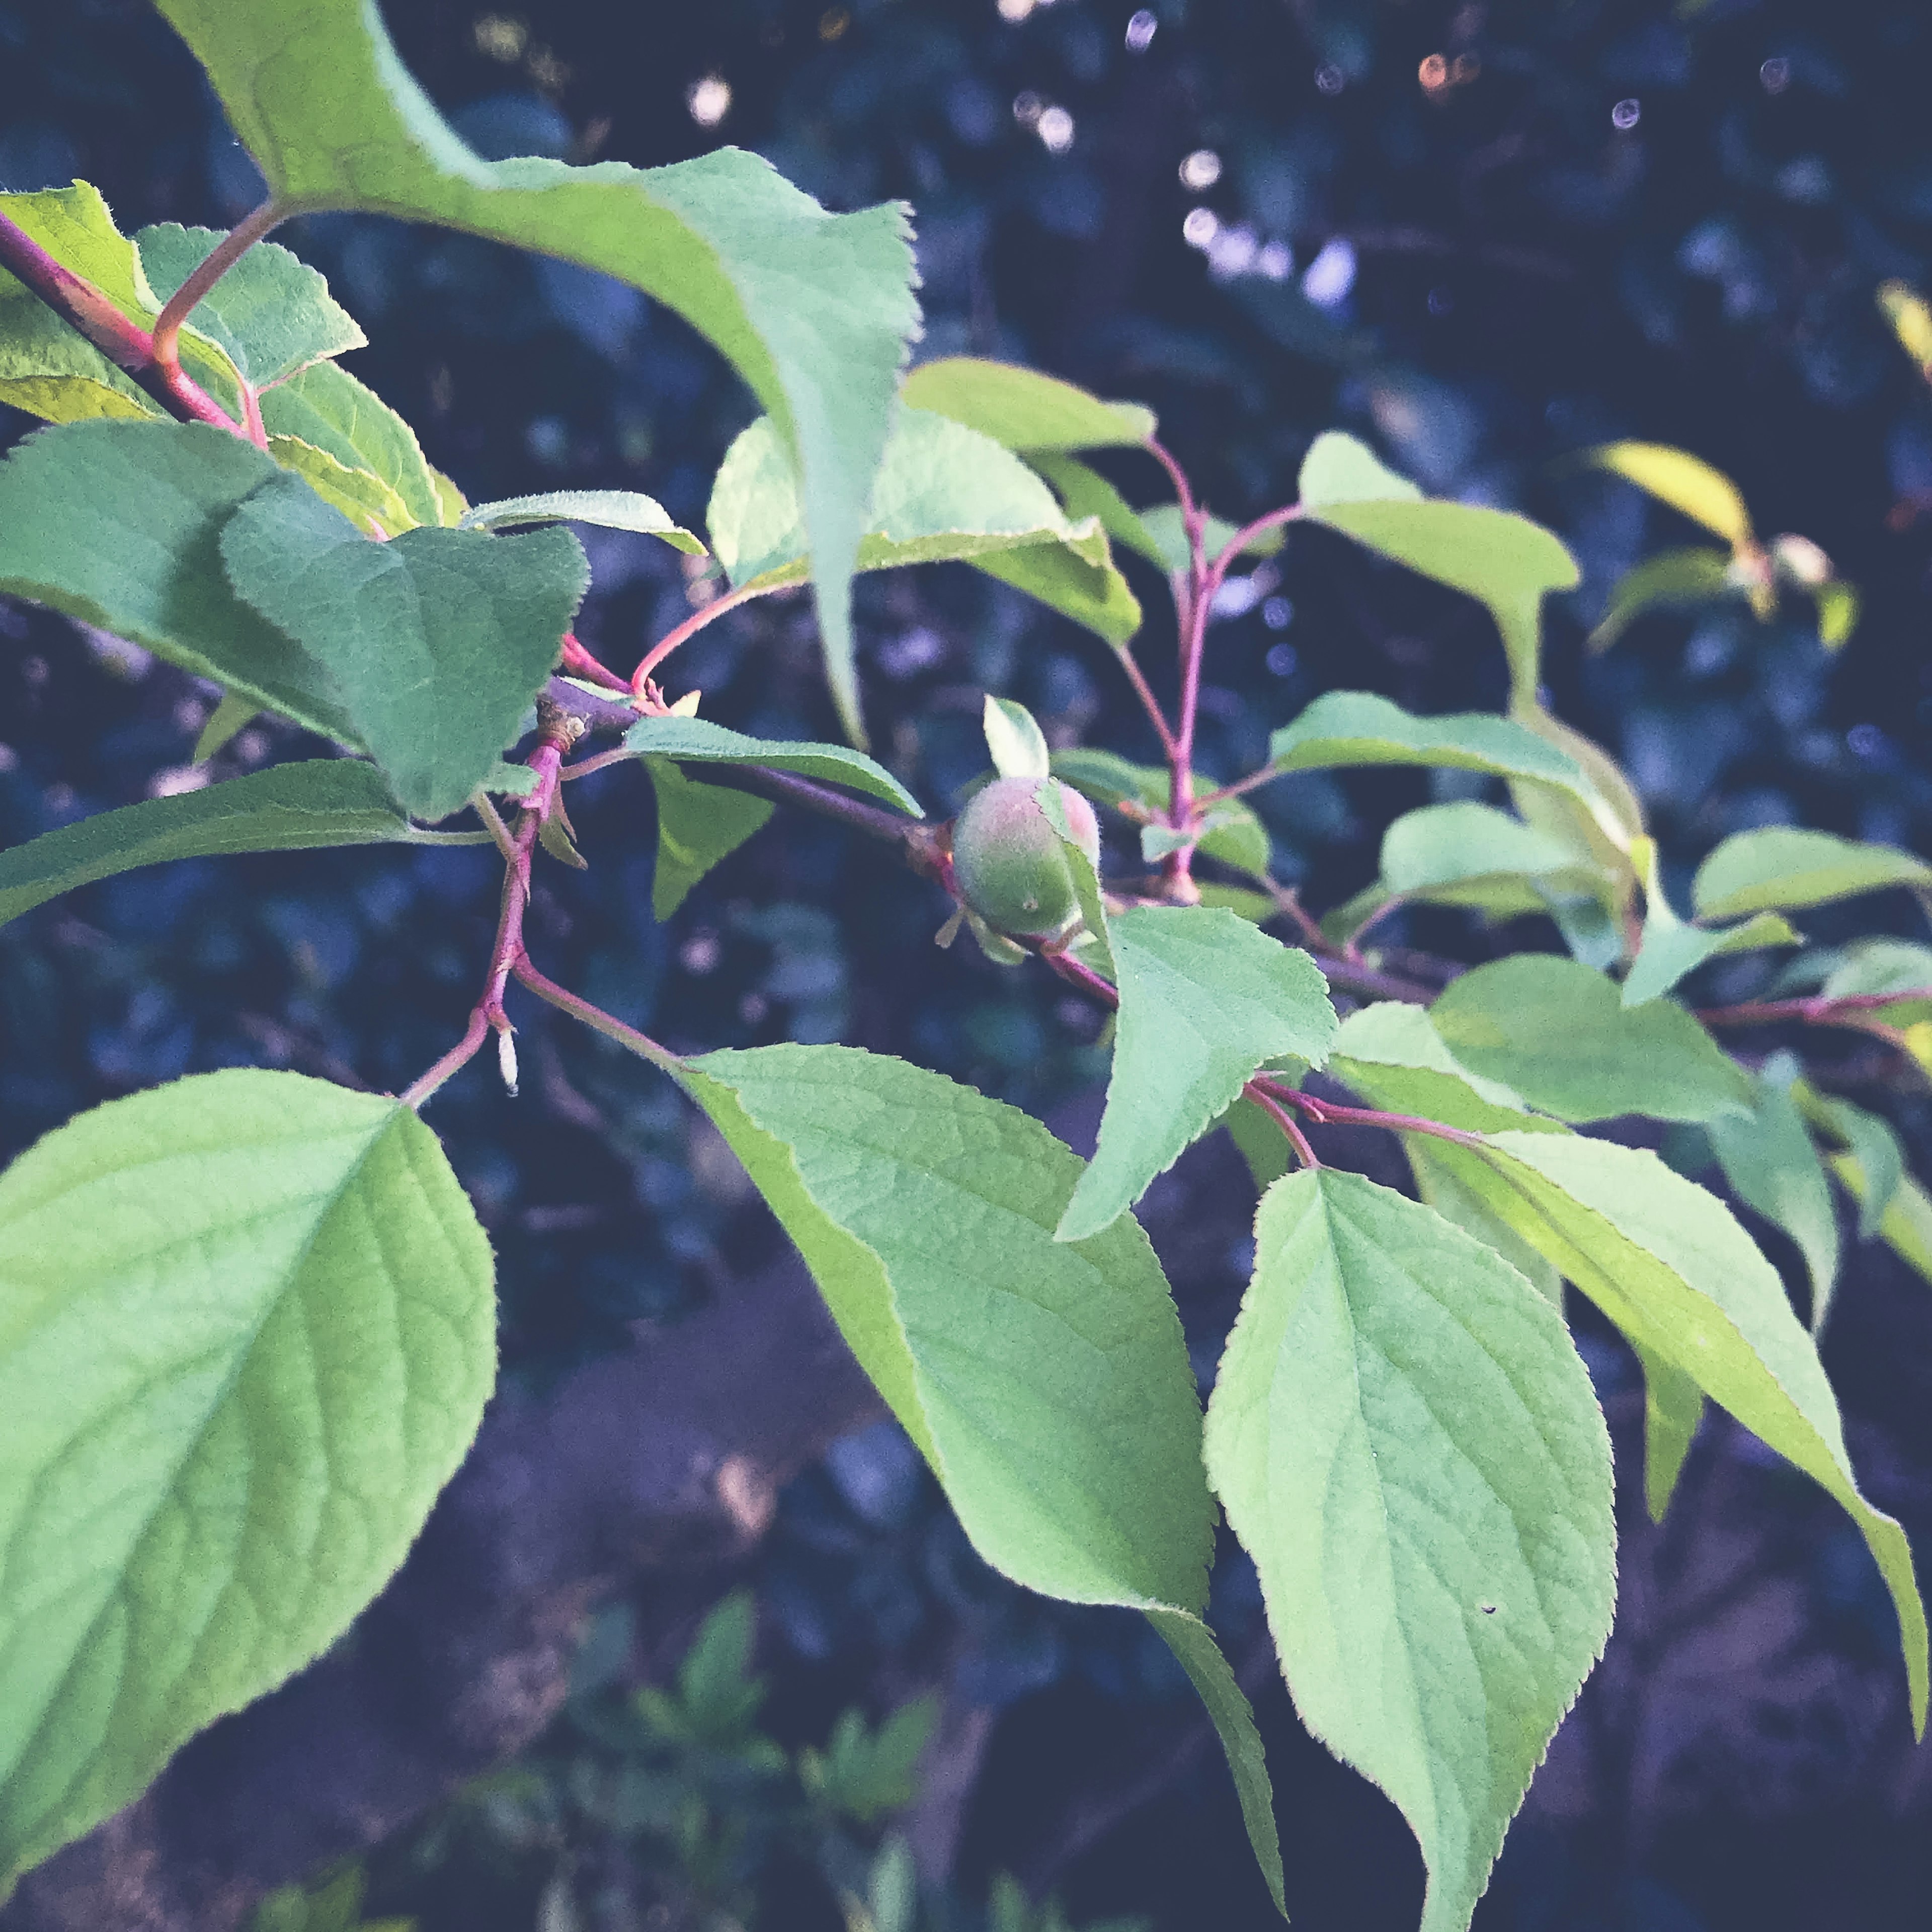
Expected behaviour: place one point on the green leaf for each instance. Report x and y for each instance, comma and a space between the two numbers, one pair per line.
370, 504
1905, 1225
1468, 854
1557, 1032
1442, 1188
1687, 483
51, 371
270, 311
610, 509
1084, 493
1015, 739
1405, 1440
1838, 613
1164, 527
1872, 1144
1671, 950
288, 808
1666, 1262
814, 310
1261, 1142
1022, 409
1045, 1382
438, 640
1673, 1406
866, 1773
1675, 578
1769, 1160
1391, 1053
1779, 866
1357, 727
698, 741
1233, 834
327, 408
247, 1331
1504, 561
1339, 470
698, 825
118, 523
943, 494
226, 722
1205, 998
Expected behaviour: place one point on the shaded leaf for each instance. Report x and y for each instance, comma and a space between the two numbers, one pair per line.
228, 720
1083, 493
698, 825
1405, 1440
304, 1333
1169, 535
1673, 1407
1671, 950
1234, 835
1558, 1032
293, 808
698, 741
327, 408
1870, 1139
1905, 1225
1468, 854
437, 641
1781, 865
1670, 580
118, 524
1024, 408
1205, 999
610, 509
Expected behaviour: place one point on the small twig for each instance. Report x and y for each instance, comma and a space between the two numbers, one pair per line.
1324, 1112
493, 821
1149, 703
579, 662
209, 270
1284, 1120
1078, 973
1241, 785
601, 761
594, 1017
787, 788
1837, 1010
705, 614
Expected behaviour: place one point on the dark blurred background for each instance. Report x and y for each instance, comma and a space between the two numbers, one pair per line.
1482, 236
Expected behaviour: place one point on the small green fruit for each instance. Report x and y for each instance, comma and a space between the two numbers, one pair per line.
1010, 866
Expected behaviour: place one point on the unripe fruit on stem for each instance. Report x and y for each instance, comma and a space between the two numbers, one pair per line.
1009, 864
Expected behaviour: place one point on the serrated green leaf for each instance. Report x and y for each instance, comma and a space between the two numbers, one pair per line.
1024, 408
1468, 854
814, 310
1015, 740
438, 641
698, 741
1670, 950
371, 504
1084, 492
1205, 998
1782, 865
1234, 835
1405, 1440
1339, 469
50, 370
1872, 1143
270, 311
943, 494
1670, 581
1391, 1053
1673, 1407
303, 1335
1769, 1160
698, 825
1357, 727
610, 509
1504, 561
1558, 1032
294, 807
1906, 1225
1045, 1382
118, 524
1440, 1187
1666, 1262
327, 408
1687, 483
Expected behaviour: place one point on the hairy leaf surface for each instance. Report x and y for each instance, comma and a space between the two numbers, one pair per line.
1404, 1440
1205, 999
437, 641
246, 1330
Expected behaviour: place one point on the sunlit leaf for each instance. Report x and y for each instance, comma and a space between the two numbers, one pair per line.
1674, 579
1687, 483
1781, 865
1024, 408
610, 509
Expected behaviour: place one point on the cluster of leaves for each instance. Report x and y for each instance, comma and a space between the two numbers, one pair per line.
710, 1815
1401, 1432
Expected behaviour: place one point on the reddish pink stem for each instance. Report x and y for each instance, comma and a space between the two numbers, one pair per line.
579, 662
707, 614
1817, 1011
1284, 1120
